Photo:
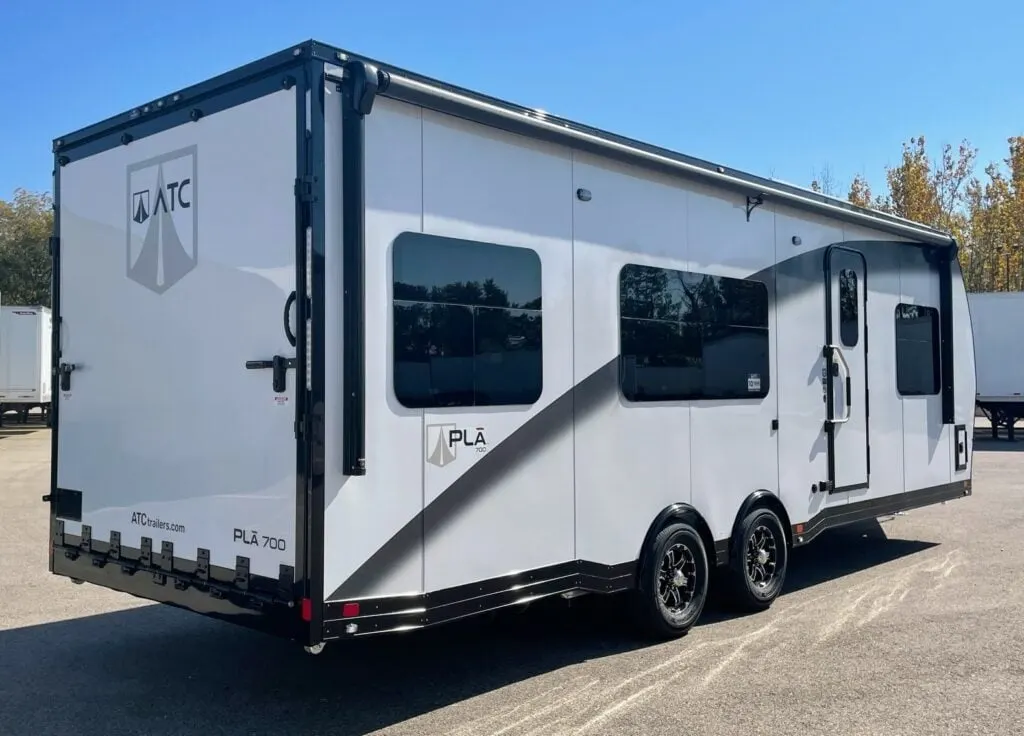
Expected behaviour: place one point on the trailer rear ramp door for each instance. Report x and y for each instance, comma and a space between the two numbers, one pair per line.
176, 446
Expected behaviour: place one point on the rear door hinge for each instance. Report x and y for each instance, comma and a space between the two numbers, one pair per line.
304, 188
54, 245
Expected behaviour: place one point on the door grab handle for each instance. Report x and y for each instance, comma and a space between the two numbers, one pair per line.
834, 352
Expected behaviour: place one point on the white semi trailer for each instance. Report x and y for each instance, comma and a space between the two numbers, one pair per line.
25, 361
348, 350
997, 318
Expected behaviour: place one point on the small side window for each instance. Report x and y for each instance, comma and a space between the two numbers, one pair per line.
917, 350
849, 308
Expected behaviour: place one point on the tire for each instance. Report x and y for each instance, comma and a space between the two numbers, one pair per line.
678, 546
758, 561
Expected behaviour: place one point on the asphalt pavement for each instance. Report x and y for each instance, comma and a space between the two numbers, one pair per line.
910, 625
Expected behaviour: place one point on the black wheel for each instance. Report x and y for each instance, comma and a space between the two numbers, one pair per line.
673, 582
758, 561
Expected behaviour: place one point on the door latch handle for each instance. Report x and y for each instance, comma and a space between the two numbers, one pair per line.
65, 370
279, 364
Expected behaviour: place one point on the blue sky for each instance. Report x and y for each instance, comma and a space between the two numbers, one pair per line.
776, 88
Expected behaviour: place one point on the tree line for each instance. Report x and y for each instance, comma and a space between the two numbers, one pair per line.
985, 212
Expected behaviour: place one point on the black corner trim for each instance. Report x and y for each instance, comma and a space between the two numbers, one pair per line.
314, 132
358, 90
836, 516
56, 526
379, 615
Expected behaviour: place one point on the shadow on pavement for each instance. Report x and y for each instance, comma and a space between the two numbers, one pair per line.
989, 444
19, 430
158, 670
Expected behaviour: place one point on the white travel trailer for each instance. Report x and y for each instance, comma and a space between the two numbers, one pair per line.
25, 361
346, 350
998, 322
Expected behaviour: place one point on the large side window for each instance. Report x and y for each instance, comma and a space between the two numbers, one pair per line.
917, 350
467, 323
691, 336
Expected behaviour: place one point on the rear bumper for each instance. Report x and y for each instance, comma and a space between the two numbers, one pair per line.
235, 596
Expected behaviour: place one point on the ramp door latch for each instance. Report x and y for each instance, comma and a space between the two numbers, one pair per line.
279, 364
65, 370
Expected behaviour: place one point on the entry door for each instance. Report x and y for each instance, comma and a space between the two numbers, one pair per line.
846, 379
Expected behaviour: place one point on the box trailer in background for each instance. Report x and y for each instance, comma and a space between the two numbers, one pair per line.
998, 321
347, 350
25, 346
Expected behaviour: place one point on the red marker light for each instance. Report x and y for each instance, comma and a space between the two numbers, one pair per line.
307, 610
349, 610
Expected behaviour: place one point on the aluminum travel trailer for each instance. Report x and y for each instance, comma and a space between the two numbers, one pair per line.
25, 360
998, 322
346, 350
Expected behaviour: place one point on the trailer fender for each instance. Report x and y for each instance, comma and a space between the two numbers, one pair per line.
677, 512
757, 499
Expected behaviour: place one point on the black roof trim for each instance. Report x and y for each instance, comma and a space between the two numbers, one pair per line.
409, 86
185, 97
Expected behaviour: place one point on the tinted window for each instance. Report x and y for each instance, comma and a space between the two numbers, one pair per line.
691, 336
917, 350
467, 323
849, 320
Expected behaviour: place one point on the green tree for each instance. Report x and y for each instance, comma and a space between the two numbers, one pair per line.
26, 223
996, 216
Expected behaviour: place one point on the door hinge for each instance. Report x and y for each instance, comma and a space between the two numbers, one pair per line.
54, 245
304, 188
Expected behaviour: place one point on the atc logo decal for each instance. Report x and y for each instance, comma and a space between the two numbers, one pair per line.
163, 217
439, 451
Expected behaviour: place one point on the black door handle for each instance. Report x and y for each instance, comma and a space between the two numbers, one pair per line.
279, 364
65, 370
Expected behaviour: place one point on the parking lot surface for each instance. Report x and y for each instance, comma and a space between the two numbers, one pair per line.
914, 625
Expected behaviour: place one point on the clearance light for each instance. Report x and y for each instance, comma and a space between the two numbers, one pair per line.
307, 610
349, 610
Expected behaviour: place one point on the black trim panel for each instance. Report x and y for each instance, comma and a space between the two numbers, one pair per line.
379, 615
358, 90
835, 516
946, 358
159, 575
722, 552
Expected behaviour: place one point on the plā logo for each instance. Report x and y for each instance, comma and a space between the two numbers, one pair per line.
443, 442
